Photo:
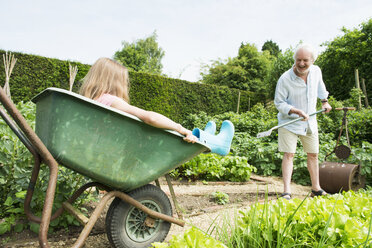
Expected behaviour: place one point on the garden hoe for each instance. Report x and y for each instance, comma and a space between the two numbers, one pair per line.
267, 133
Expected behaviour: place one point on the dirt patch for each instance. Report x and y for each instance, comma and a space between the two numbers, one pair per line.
195, 200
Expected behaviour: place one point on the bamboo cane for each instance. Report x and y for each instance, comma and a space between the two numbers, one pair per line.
237, 107
9, 62
73, 72
358, 87
365, 92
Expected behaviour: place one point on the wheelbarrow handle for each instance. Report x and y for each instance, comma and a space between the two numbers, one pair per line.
345, 108
299, 118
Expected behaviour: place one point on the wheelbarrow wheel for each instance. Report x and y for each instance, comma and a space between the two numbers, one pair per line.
125, 224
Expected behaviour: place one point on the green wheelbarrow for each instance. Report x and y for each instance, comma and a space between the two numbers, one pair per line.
119, 152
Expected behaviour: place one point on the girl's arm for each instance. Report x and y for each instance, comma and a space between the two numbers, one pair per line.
153, 119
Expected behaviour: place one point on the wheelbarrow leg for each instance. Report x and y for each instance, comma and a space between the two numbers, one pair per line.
47, 158
157, 183
174, 199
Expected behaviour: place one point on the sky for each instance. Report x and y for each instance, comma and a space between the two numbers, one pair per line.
192, 33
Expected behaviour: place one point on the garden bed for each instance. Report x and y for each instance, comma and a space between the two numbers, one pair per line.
195, 198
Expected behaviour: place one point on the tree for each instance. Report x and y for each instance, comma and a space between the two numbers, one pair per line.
143, 55
247, 71
272, 47
281, 64
343, 55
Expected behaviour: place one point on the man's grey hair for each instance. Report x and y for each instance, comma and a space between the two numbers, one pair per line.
306, 47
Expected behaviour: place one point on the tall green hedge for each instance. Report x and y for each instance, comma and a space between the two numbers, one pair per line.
172, 97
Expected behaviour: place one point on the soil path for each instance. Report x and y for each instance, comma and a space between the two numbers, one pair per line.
198, 207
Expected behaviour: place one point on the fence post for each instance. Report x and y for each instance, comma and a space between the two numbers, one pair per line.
237, 108
365, 92
358, 87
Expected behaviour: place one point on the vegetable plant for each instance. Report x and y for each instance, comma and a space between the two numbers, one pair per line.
191, 238
220, 197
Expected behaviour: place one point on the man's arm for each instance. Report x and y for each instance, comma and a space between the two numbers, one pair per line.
280, 99
300, 113
323, 94
326, 105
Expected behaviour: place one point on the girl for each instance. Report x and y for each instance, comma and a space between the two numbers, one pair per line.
107, 82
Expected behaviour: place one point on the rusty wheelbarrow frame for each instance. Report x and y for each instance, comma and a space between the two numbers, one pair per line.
41, 155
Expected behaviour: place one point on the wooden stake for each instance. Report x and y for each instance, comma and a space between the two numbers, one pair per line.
9, 62
358, 87
73, 72
237, 108
365, 93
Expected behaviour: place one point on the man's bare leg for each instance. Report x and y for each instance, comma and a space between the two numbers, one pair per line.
287, 169
312, 166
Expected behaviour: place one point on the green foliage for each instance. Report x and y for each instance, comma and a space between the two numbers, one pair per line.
341, 220
363, 156
171, 97
344, 54
177, 99
262, 153
355, 95
12, 212
15, 159
247, 71
191, 238
281, 64
272, 47
220, 197
32, 74
213, 167
143, 55
16, 164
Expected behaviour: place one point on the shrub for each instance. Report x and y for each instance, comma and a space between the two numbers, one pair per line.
172, 97
214, 167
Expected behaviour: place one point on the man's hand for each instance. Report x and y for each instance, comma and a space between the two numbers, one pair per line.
299, 113
327, 107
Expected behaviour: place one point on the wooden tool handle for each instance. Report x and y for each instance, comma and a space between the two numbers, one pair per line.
345, 108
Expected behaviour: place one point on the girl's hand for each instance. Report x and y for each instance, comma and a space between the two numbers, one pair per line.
189, 137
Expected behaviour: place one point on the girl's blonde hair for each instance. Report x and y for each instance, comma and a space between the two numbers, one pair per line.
106, 76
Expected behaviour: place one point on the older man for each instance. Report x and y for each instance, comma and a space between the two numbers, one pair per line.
296, 95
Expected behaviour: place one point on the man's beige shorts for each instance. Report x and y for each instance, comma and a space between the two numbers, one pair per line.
288, 141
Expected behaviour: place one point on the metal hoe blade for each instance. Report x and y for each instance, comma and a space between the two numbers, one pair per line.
265, 134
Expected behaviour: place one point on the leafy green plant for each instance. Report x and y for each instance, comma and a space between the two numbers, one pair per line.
214, 167
191, 238
341, 220
220, 197
11, 212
